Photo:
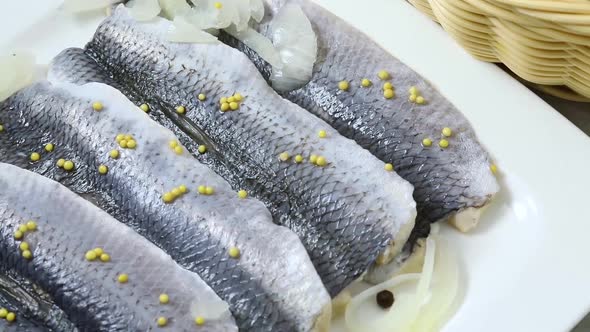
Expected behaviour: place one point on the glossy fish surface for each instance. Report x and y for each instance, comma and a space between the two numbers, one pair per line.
346, 209
450, 171
58, 231
153, 186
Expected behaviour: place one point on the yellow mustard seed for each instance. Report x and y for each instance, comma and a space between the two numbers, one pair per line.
321, 161
234, 252
123, 278
11, 317
1, 128
200, 320
23, 246
322, 134
224, 107
98, 251
202, 96
218, 5
234, 105
114, 154
202, 190
413, 90
383, 75
31, 225
35, 156
299, 159
443, 143
60, 163
102, 169
427, 142
164, 298
144, 107
3, 312
387, 86
49, 147
209, 190
97, 106
168, 197
178, 150
173, 144
388, 93
242, 194
128, 137
231, 99
389, 167
27, 254
313, 159
343, 85
180, 110
238, 97
90, 255
18, 235
366, 83
23, 228
131, 144
420, 100
412, 98
447, 132
223, 100
123, 144
176, 192
162, 321
119, 138
494, 168
284, 156
183, 189
105, 257
202, 149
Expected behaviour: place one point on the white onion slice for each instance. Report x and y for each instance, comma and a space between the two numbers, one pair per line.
259, 44
294, 38
18, 71
423, 302
143, 10
183, 32
80, 6
174, 8
257, 10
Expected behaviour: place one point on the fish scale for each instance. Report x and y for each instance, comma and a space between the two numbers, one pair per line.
250, 140
88, 291
196, 230
393, 129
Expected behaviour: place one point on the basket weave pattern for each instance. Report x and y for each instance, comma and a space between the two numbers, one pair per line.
546, 42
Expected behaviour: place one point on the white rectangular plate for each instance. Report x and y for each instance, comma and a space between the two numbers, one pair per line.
526, 266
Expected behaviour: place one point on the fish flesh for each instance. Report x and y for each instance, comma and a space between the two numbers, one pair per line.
346, 210
447, 180
260, 269
48, 236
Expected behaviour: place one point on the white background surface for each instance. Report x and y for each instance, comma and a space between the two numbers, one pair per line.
527, 265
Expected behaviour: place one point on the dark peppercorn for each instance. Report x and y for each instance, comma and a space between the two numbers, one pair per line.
385, 299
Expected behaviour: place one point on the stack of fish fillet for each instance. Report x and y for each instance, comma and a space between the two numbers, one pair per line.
178, 213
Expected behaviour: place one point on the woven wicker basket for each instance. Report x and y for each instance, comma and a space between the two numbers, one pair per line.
545, 42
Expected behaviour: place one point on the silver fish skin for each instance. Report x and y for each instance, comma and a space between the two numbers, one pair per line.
345, 213
34, 308
271, 286
446, 181
88, 291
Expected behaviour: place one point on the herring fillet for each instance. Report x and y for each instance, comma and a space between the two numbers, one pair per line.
67, 227
265, 291
34, 308
345, 213
446, 181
